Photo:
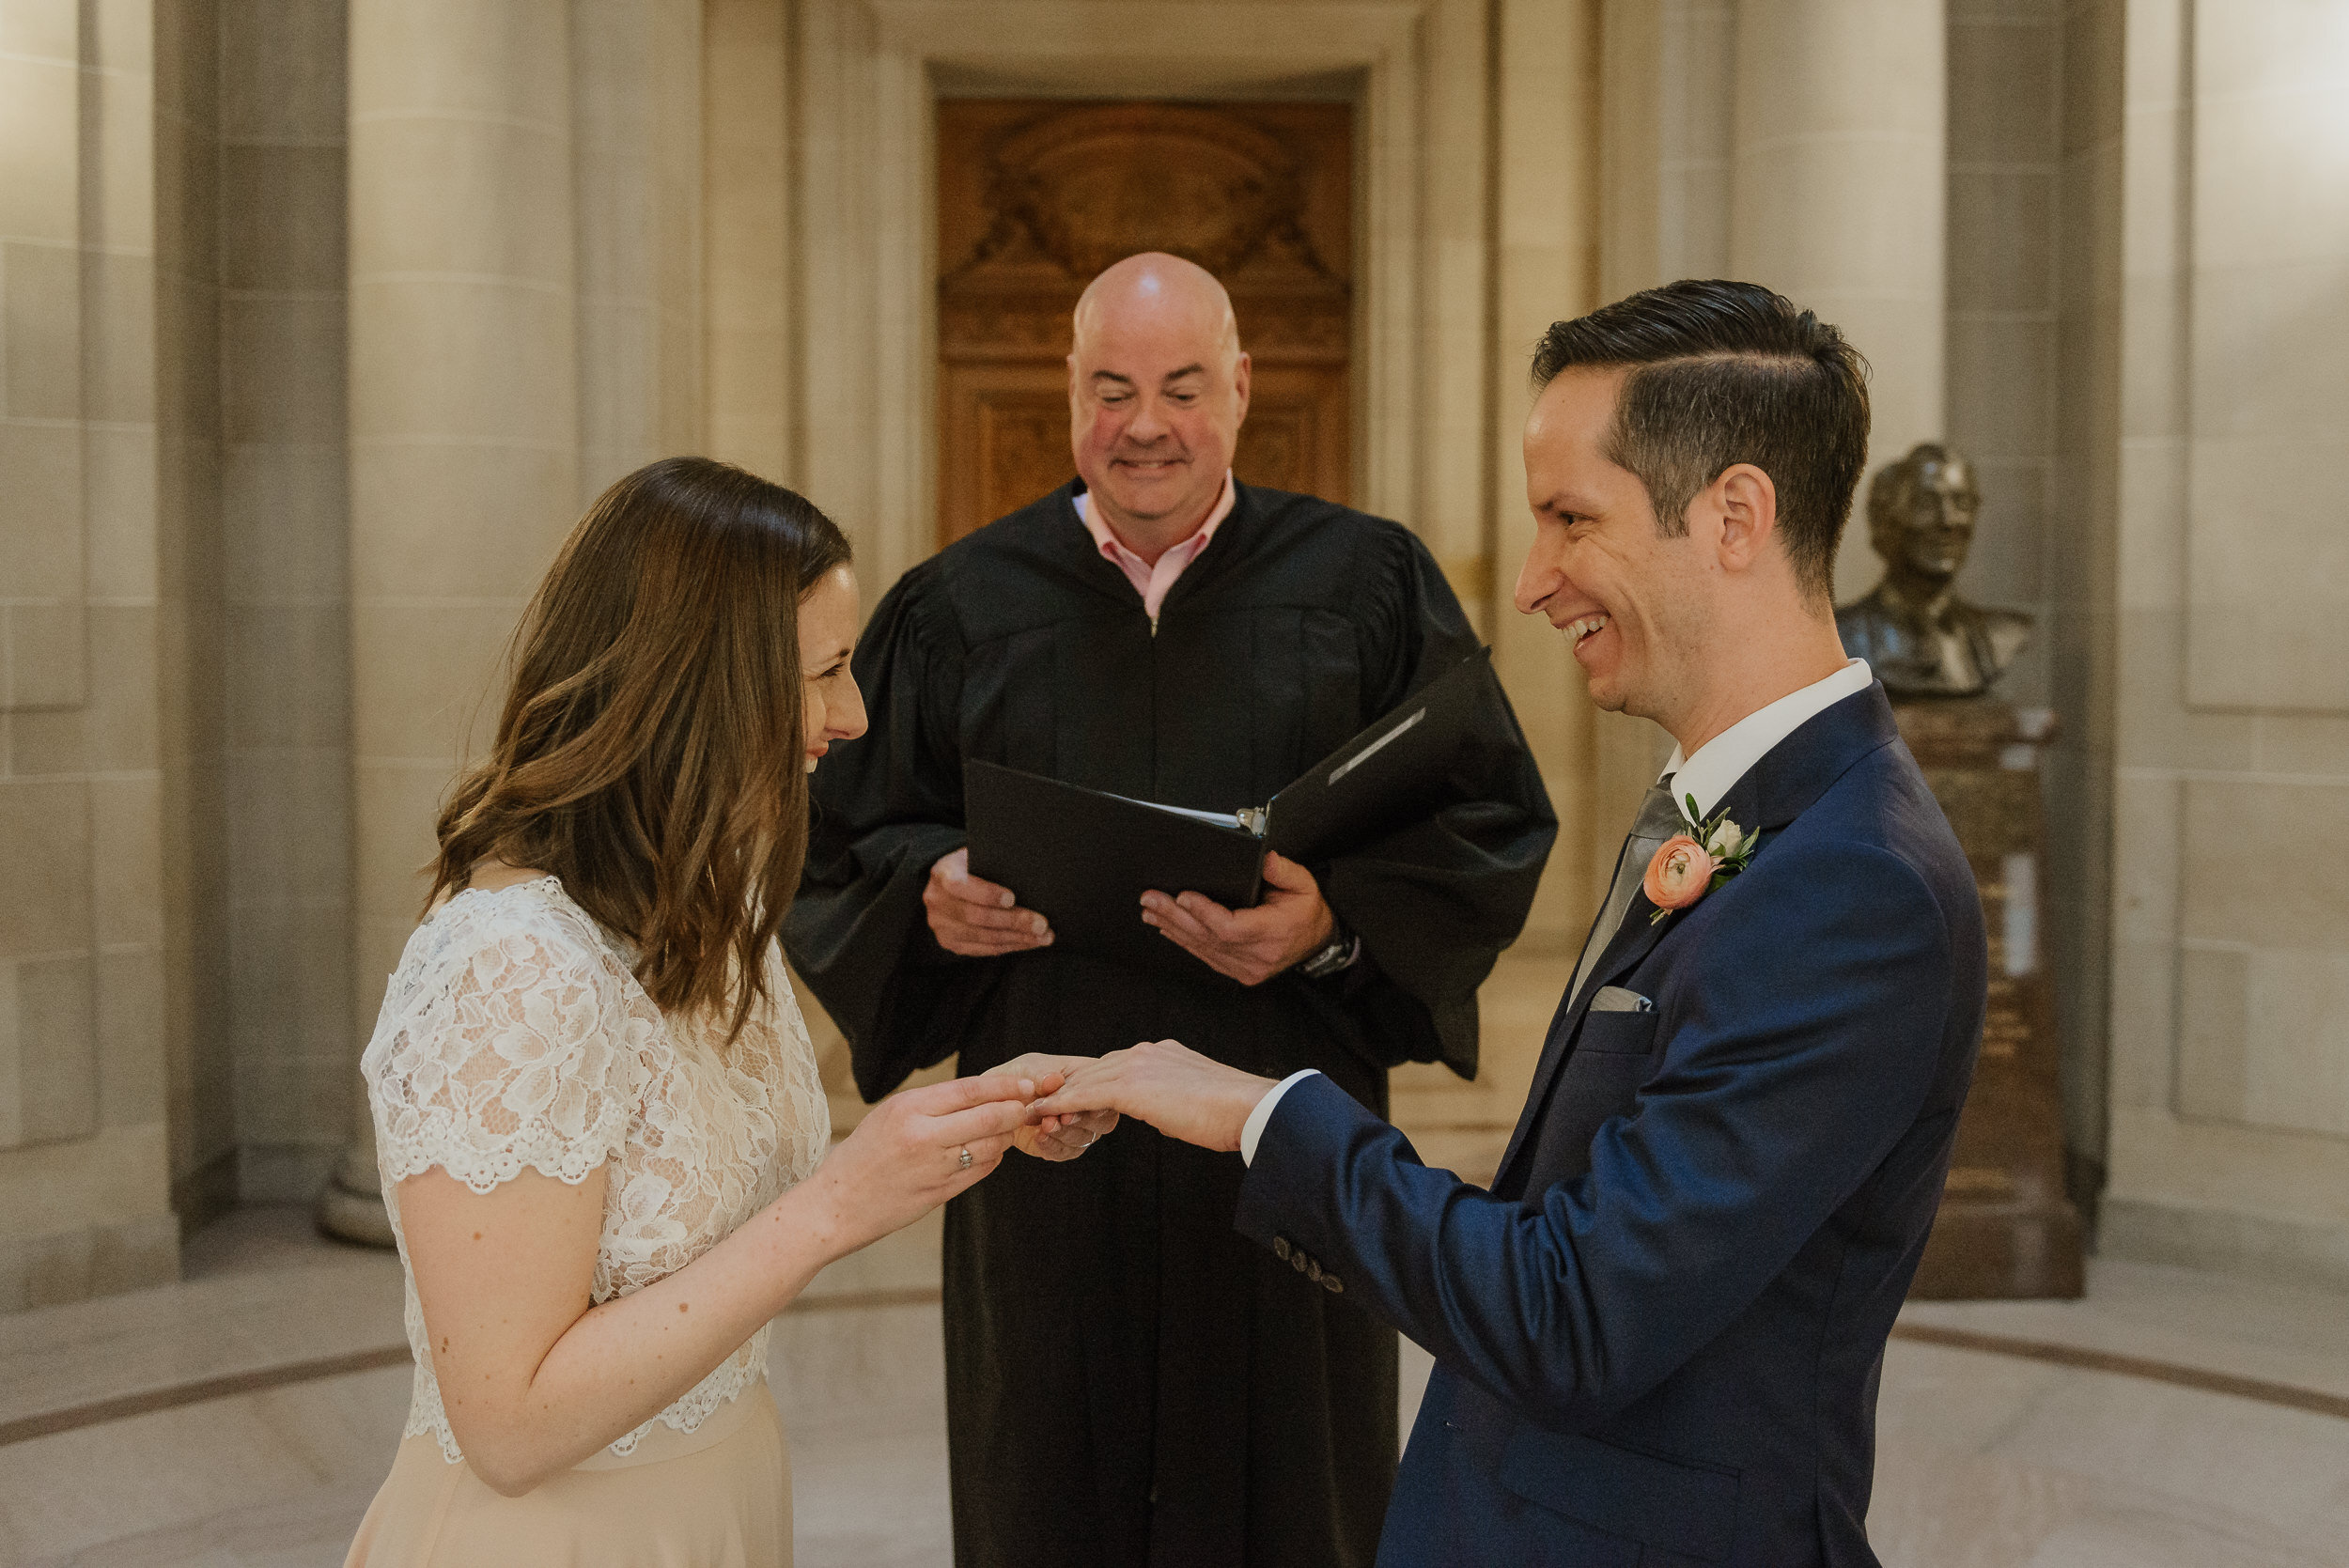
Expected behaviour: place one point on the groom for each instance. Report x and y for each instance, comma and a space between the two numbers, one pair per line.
1657, 1337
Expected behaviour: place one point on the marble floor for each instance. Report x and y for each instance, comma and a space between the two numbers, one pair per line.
244, 1417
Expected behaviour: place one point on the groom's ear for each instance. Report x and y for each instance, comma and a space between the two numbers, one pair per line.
1744, 506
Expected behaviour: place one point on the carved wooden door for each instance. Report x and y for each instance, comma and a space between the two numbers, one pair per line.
1035, 197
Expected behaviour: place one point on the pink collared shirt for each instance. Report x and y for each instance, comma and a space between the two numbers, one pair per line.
1153, 581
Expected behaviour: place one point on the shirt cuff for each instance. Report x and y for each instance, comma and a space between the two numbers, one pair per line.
1252, 1129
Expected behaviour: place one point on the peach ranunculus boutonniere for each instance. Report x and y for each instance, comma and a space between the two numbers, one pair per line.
1691, 864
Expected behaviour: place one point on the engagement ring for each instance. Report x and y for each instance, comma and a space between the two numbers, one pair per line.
966, 1157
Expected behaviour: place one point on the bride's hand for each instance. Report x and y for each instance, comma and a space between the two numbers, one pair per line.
918, 1148
1056, 1138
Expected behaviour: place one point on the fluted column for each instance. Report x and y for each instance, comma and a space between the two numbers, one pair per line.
1839, 180
464, 424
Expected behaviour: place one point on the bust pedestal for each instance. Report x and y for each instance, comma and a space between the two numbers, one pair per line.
2005, 1227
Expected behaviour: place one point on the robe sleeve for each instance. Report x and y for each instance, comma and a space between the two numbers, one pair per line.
884, 810
1436, 902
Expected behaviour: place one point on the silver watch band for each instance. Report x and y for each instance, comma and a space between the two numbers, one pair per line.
1335, 958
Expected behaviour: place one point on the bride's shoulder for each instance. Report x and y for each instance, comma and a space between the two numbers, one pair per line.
783, 999
517, 937
506, 1040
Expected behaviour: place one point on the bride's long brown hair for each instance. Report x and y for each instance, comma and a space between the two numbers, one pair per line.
650, 753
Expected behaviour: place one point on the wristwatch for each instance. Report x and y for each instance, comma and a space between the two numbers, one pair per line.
1334, 957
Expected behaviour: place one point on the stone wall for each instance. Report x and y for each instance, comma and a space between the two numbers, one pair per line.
176, 859
85, 1145
2229, 1069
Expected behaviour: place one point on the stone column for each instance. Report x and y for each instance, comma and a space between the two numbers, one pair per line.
750, 256
1545, 228
1838, 193
464, 425
636, 91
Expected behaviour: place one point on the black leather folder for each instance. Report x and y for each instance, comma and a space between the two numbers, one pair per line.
1084, 858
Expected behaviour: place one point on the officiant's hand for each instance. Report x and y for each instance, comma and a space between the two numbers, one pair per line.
1179, 1092
1055, 1138
1250, 945
976, 917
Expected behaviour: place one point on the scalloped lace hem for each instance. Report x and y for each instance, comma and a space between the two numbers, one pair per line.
568, 1160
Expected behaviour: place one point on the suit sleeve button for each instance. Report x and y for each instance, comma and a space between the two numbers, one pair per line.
1313, 1271
1334, 1285
1281, 1247
1296, 1259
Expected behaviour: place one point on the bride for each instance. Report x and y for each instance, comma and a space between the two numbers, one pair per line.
601, 1130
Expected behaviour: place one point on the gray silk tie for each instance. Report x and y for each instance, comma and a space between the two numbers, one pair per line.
1659, 820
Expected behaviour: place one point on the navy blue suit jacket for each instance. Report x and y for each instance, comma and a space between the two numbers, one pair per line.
1657, 1338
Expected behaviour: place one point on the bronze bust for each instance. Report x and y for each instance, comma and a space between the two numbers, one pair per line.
1918, 636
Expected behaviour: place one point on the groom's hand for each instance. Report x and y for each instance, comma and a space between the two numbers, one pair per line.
1250, 945
1182, 1092
1058, 1139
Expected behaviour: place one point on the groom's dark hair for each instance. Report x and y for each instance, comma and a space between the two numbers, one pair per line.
1726, 373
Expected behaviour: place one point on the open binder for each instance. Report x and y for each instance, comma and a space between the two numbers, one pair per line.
1084, 858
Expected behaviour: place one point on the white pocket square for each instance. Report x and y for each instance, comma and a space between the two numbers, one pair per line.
1614, 999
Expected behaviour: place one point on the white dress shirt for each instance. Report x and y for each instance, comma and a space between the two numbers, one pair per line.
1730, 756
1719, 763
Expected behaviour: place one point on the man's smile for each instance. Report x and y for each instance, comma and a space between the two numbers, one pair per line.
1584, 628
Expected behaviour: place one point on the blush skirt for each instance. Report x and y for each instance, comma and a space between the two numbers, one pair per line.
718, 1497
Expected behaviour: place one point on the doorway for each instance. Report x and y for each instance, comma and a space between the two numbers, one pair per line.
1037, 195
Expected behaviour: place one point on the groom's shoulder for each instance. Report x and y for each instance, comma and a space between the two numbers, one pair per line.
1886, 801
1878, 836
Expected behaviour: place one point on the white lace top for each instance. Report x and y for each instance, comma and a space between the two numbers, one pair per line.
514, 1036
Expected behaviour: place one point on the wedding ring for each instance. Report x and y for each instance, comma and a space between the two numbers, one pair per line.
966, 1157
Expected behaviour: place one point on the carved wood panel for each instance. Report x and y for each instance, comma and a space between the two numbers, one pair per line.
1036, 196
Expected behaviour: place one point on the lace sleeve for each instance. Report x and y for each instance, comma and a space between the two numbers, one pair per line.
506, 1049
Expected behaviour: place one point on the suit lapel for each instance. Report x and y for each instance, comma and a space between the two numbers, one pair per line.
1634, 940
1553, 1042
1770, 794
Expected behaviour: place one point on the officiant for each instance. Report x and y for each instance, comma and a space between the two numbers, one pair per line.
1130, 1381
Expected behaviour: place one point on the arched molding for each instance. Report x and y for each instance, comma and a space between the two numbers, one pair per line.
867, 75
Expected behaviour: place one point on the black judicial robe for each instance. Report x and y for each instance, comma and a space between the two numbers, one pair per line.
1129, 1380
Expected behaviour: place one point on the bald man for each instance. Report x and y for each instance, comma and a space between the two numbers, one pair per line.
1128, 1381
